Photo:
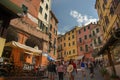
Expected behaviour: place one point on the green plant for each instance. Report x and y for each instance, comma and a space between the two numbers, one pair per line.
113, 76
104, 71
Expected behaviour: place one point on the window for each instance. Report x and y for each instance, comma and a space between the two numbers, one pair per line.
46, 29
99, 40
41, 25
84, 29
50, 27
93, 33
103, 6
97, 30
81, 49
69, 52
86, 48
91, 45
50, 35
111, 10
68, 38
41, 9
73, 50
90, 36
46, 6
64, 53
85, 37
94, 41
79, 31
80, 40
69, 44
72, 36
73, 43
45, 16
25, 8
106, 20
64, 44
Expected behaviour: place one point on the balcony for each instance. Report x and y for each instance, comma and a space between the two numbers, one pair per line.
116, 5
29, 27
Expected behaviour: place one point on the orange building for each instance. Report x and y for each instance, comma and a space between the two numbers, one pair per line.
25, 42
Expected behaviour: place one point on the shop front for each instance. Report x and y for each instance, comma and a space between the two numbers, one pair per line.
23, 56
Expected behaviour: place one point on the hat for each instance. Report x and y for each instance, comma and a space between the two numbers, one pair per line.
70, 68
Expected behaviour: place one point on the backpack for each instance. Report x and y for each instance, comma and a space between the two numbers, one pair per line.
82, 64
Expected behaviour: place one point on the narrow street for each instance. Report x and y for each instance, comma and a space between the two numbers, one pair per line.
78, 76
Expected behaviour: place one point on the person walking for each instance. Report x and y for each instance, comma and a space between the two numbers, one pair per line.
60, 70
82, 65
51, 70
91, 68
70, 70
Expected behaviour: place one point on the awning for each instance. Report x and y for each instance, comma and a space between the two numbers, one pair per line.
50, 58
80, 57
11, 7
24, 47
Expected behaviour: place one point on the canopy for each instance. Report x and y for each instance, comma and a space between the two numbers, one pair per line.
80, 57
24, 47
50, 58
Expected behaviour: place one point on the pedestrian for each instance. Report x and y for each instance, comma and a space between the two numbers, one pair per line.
70, 70
74, 70
51, 70
60, 70
82, 65
91, 68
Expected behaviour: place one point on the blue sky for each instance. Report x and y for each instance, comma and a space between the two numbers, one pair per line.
72, 13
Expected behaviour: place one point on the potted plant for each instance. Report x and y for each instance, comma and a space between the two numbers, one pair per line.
114, 77
105, 74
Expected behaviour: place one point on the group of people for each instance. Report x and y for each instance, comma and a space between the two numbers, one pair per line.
68, 68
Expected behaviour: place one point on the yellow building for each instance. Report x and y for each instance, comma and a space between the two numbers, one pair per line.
109, 20
109, 17
67, 47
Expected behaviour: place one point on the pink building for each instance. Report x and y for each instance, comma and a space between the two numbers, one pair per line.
84, 41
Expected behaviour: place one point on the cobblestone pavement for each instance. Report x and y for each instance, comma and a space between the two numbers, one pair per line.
78, 76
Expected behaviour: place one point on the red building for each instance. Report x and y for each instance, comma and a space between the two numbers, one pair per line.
84, 41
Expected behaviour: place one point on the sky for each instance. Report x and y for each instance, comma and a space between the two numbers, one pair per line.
71, 13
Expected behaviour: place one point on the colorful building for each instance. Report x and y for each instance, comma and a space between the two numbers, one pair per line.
30, 36
84, 41
8, 11
53, 29
67, 46
97, 39
108, 13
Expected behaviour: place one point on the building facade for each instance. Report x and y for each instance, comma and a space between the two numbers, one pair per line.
108, 12
67, 46
84, 41
31, 32
53, 29
97, 39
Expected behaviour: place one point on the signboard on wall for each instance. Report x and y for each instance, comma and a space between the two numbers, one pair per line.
2, 43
